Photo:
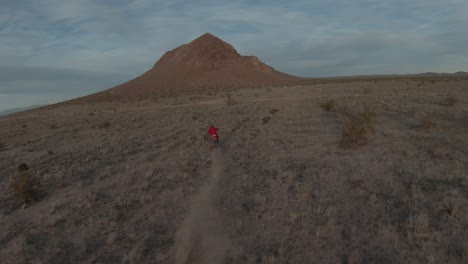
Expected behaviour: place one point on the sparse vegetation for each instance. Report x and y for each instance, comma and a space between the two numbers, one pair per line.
451, 100
52, 126
50, 152
274, 111
427, 123
104, 125
329, 105
366, 90
2, 147
24, 185
266, 119
452, 208
230, 100
357, 129
22, 167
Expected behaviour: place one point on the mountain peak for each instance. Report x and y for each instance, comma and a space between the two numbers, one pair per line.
206, 50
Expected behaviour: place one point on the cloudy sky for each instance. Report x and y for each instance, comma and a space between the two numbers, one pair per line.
51, 50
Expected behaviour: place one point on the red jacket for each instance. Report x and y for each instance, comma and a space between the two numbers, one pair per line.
213, 131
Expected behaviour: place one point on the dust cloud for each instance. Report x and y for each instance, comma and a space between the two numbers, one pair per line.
201, 239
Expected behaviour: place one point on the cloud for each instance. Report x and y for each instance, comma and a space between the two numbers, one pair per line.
90, 45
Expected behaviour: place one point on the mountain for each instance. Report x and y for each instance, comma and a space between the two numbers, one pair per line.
206, 63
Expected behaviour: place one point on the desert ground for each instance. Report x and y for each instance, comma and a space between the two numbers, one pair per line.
141, 182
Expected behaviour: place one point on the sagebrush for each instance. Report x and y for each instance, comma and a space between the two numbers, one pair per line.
356, 130
329, 104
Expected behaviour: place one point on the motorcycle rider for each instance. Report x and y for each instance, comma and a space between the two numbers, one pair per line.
213, 131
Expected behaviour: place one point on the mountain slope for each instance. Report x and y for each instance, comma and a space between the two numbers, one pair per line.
207, 63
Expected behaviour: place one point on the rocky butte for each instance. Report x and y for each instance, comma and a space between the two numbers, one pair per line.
205, 64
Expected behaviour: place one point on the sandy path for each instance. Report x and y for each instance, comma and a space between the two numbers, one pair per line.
201, 239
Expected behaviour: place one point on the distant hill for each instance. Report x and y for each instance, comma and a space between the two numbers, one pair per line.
19, 109
206, 63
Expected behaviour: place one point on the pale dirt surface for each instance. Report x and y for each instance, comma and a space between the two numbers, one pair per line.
151, 189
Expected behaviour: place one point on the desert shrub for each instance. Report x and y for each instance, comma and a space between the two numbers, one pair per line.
230, 100
2, 146
427, 123
52, 126
104, 125
22, 167
418, 226
366, 90
451, 100
452, 207
357, 129
50, 152
25, 187
329, 104
274, 111
266, 119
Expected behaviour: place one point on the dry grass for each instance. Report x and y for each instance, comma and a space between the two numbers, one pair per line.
22, 167
427, 123
104, 125
451, 100
418, 226
452, 208
230, 100
266, 119
329, 105
357, 129
25, 187
274, 111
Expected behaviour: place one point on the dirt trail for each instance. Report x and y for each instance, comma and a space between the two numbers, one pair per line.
201, 239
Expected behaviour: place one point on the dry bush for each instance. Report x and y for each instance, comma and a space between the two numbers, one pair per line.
104, 125
230, 100
452, 207
25, 187
274, 111
329, 104
451, 100
357, 129
53, 126
366, 90
418, 226
266, 119
50, 152
2, 147
427, 123
22, 167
